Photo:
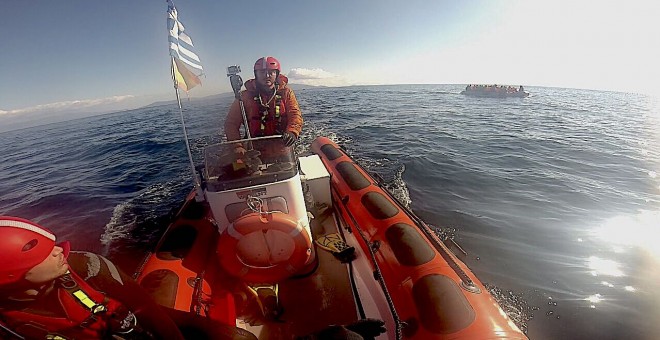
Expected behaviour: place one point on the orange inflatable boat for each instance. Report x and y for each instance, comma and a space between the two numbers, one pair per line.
292, 246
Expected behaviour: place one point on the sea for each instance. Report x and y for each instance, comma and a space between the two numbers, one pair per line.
554, 198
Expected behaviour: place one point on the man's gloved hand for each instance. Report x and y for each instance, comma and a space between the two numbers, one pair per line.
289, 138
239, 151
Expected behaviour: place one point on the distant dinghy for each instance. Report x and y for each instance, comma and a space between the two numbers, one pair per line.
495, 91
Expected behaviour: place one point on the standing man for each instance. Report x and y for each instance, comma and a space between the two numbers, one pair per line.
47, 293
270, 106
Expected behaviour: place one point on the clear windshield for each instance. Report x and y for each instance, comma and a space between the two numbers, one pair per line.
244, 163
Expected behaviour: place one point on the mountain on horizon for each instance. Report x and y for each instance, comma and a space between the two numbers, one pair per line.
295, 87
17, 121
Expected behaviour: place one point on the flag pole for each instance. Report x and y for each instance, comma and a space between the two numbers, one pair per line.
198, 187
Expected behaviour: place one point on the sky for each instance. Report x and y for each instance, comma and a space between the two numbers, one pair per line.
93, 55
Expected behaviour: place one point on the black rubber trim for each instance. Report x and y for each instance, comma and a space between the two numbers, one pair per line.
331, 152
352, 176
441, 305
378, 206
408, 245
161, 285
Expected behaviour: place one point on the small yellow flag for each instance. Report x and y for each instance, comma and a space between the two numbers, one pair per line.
184, 78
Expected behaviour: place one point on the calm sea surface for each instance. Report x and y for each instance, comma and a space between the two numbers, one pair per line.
555, 197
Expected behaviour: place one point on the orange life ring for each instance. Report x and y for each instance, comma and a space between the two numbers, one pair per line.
264, 247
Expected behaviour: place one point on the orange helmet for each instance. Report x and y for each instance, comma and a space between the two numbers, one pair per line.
267, 63
23, 245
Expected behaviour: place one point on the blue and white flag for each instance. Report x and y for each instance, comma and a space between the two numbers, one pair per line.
187, 66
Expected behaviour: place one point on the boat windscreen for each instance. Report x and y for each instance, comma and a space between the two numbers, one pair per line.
248, 162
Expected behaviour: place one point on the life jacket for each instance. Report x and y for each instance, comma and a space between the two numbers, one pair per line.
90, 314
267, 117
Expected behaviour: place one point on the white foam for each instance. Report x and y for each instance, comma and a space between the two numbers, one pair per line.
116, 228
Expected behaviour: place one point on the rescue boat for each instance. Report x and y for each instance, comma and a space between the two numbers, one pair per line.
276, 246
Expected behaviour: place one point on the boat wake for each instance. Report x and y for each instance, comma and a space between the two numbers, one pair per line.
130, 219
119, 225
515, 306
397, 187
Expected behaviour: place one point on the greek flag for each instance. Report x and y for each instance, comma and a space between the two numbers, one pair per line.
186, 67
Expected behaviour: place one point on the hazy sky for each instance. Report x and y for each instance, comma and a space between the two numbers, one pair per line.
83, 52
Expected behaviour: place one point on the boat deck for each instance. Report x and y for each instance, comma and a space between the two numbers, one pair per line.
311, 303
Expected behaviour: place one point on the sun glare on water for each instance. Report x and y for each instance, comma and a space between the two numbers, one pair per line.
632, 231
604, 267
620, 235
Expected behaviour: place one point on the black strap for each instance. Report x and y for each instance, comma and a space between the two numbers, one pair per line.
70, 285
4, 329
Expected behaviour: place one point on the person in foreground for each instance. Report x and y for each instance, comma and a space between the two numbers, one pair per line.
47, 292
50, 292
270, 106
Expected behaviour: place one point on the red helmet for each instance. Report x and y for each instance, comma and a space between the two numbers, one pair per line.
23, 245
267, 63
